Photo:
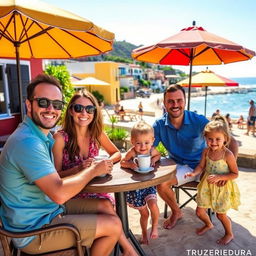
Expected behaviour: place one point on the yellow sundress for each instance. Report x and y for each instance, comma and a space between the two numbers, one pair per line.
219, 199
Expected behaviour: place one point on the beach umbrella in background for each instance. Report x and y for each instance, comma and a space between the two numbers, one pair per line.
207, 78
193, 46
34, 29
88, 82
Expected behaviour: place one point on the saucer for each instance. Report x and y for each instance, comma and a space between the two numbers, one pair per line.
102, 176
150, 169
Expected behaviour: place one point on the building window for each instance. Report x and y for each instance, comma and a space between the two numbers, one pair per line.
9, 90
3, 96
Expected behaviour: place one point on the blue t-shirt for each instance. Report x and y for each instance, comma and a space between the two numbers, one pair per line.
26, 157
185, 145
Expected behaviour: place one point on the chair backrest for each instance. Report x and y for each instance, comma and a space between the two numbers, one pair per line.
7, 245
10, 250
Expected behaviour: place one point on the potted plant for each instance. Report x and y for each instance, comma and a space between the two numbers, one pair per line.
117, 136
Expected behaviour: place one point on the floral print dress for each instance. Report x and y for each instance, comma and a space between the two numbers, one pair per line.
67, 163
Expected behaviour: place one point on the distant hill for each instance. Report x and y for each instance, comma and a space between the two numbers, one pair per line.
122, 49
121, 53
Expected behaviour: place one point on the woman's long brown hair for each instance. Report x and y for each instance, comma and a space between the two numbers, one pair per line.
95, 127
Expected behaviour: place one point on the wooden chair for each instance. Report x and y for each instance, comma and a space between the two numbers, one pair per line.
190, 189
10, 250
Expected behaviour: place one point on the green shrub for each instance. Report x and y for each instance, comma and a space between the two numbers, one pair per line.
98, 96
144, 83
113, 120
62, 74
162, 150
116, 133
124, 90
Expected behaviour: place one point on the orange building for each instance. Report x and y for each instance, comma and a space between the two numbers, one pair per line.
106, 71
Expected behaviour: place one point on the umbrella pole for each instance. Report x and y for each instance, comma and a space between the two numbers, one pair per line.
205, 100
17, 45
189, 83
190, 76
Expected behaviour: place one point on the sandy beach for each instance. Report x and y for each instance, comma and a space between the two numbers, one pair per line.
182, 239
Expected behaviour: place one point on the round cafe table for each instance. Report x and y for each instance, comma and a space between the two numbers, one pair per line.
122, 180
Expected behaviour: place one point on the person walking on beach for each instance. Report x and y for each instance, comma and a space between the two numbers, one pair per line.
158, 102
251, 118
32, 192
117, 107
78, 143
218, 164
180, 131
240, 122
145, 200
216, 113
121, 113
140, 107
229, 120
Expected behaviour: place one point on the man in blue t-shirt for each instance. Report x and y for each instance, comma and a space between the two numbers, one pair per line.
32, 193
181, 132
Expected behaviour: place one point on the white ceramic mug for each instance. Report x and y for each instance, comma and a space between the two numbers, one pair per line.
99, 158
143, 161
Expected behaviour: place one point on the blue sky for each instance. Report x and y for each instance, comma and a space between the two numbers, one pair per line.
145, 22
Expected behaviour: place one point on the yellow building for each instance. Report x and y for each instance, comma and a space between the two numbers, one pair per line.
106, 71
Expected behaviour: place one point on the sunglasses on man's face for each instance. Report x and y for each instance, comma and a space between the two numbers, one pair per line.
90, 109
45, 103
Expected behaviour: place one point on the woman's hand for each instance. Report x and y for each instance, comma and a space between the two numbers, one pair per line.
102, 167
87, 163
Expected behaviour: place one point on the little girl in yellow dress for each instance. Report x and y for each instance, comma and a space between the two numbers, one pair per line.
217, 189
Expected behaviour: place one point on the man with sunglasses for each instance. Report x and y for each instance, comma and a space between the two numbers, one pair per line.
32, 193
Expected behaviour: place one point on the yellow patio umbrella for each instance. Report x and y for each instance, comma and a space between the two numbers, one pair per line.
89, 81
207, 78
34, 29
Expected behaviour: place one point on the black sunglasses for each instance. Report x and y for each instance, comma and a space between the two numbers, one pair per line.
45, 103
90, 109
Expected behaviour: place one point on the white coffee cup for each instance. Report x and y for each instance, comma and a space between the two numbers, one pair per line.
143, 161
98, 159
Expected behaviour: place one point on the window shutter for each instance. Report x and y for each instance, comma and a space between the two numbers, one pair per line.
13, 86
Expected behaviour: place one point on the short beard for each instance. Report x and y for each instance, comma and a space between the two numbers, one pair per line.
37, 121
173, 116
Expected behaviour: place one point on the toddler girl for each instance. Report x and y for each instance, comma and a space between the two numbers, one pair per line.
145, 200
219, 164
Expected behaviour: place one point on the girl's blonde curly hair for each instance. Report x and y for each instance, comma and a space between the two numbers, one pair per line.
218, 126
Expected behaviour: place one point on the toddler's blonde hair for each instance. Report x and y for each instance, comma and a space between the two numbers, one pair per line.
218, 126
141, 128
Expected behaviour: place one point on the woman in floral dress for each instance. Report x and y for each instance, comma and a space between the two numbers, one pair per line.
79, 141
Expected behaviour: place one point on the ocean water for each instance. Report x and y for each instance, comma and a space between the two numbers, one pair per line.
235, 104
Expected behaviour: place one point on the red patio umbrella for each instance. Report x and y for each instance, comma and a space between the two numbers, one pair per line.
207, 78
193, 46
